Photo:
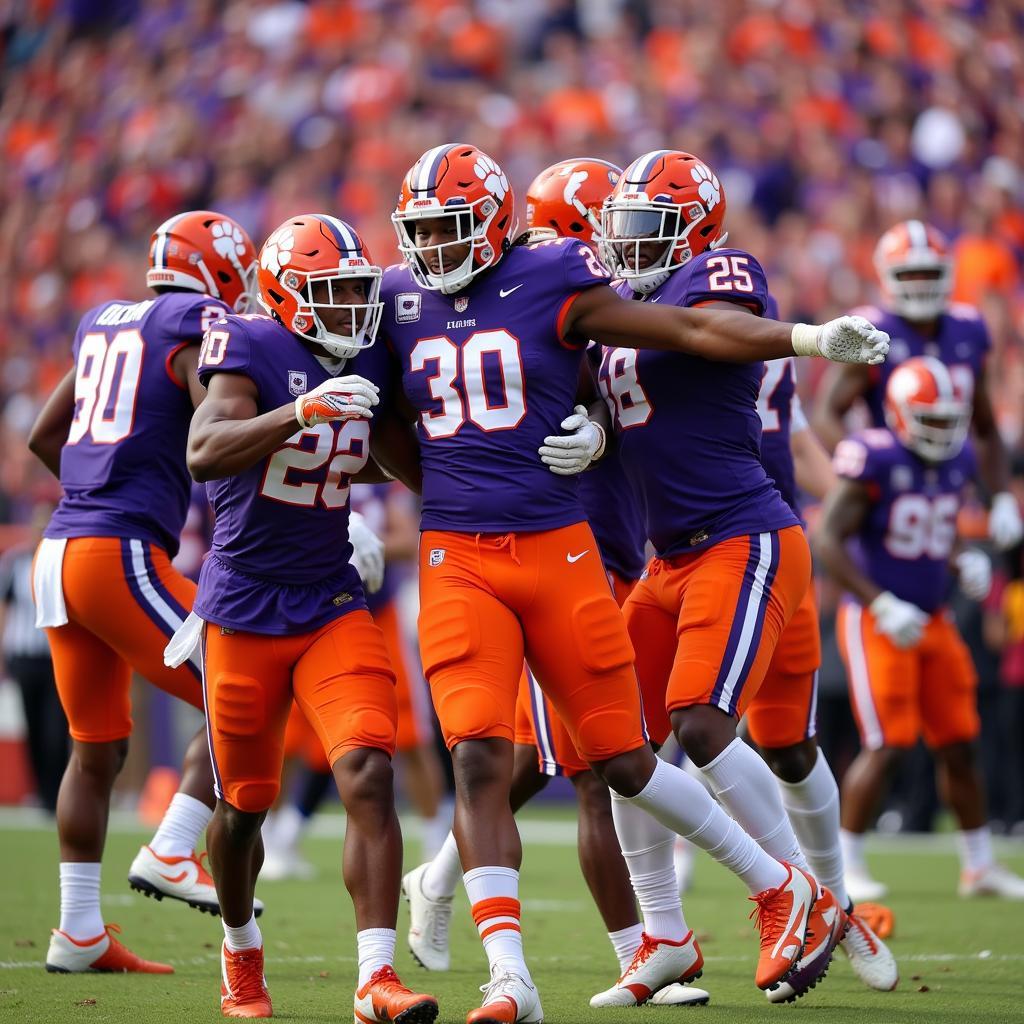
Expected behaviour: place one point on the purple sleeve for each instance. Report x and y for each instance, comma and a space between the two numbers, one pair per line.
227, 348
198, 317
727, 275
582, 268
861, 457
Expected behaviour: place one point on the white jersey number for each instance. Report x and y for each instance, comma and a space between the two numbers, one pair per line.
922, 526
623, 391
106, 386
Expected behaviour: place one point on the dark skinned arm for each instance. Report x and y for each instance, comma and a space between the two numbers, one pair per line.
993, 462
395, 448
840, 388
50, 430
183, 366
843, 513
227, 435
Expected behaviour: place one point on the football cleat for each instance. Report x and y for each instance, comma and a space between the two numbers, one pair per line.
282, 864
428, 923
680, 995
862, 887
869, 956
656, 964
878, 917
178, 878
508, 999
243, 988
995, 880
102, 953
781, 916
826, 926
385, 998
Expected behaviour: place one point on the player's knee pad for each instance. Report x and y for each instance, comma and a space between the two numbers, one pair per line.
238, 705
253, 795
599, 635
449, 632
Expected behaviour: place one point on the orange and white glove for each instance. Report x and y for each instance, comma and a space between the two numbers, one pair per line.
340, 398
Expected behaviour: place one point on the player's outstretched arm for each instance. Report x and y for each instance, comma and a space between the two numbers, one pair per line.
50, 430
844, 511
601, 314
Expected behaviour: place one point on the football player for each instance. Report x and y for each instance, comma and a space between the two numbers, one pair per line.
114, 432
916, 274
282, 611
490, 338
910, 674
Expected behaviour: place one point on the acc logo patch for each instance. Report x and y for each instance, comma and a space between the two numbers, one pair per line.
462, 304
407, 307
297, 382
436, 556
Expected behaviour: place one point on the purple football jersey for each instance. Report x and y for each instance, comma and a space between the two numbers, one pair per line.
962, 343
775, 407
279, 563
371, 501
123, 466
907, 538
489, 378
688, 428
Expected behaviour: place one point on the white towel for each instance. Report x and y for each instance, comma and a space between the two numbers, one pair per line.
184, 645
48, 583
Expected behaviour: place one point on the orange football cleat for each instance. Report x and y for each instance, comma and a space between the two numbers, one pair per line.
385, 998
878, 917
243, 988
781, 917
102, 953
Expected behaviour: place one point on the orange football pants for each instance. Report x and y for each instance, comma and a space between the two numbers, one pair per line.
901, 694
340, 677
537, 722
124, 601
489, 600
705, 625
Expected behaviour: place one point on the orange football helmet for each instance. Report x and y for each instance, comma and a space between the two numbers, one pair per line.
301, 264
665, 197
913, 264
926, 410
205, 252
461, 182
565, 200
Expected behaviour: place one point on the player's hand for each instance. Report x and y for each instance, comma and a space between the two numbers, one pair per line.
1004, 521
847, 339
340, 398
975, 572
367, 553
572, 452
902, 622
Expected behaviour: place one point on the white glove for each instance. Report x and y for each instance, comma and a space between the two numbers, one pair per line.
1004, 521
902, 622
568, 454
847, 339
367, 553
340, 398
975, 572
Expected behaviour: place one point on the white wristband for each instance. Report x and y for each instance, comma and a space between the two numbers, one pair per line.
604, 442
805, 339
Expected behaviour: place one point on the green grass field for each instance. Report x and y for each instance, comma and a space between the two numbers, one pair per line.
960, 961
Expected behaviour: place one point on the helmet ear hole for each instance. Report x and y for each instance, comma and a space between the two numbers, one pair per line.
276, 296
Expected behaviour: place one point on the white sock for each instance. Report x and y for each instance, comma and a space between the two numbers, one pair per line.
247, 936
289, 825
181, 827
493, 893
682, 860
813, 808
746, 788
376, 949
80, 915
975, 847
687, 808
625, 942
442, 876
433, 832
647, 846
852, 845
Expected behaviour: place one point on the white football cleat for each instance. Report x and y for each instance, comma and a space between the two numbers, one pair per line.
280, 865
103, 953
862, 888
995, 880
680, 995
509, 998
179, 878
869, 956
428, 923
656, 964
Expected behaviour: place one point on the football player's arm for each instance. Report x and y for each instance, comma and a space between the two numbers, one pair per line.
184, 366
845, 509
840, 388
50, 430
228, 434
395, 449
811, 464
588, 394
729, 336
993, 462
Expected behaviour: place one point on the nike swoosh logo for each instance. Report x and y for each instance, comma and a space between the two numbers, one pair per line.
505, 292
176, 879
655, 299
575, 558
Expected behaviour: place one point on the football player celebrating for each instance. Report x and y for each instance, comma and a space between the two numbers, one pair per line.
114, 433
280, 437
490, 339
916, 273
563, 201
910, 673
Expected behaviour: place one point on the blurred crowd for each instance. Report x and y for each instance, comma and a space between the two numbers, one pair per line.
828, 120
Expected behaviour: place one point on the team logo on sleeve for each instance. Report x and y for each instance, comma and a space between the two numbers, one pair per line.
436, 557
297, 382
407, 307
